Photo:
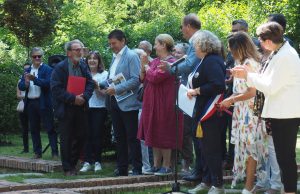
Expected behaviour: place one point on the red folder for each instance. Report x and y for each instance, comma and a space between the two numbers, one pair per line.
76, 85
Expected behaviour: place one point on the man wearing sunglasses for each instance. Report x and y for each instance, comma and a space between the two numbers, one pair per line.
36, 83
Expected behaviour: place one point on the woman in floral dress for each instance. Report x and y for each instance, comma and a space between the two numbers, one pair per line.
248, 133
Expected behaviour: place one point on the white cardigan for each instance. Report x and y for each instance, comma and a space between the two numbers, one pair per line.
280, 83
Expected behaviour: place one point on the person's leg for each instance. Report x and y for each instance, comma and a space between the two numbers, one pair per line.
230, 152
98, 131
250, 173
88, 145
166, 155
284, 132
145, 152
24, 126
120, 136
223, 138
35, 125
66, 127
212, 149
157, 157
187, 144
81, 125
263, 184
198, 155
275, 180
130, 120
48, 124
145, 156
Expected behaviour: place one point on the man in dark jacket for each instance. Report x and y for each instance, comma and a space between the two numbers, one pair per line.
70, 108
36, 83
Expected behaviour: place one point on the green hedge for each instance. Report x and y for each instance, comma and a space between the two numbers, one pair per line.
9, 75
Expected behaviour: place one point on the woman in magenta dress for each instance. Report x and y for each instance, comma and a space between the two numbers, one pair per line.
158, 120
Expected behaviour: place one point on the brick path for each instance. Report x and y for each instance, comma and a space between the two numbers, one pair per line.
30, 164
95, 185
109, 185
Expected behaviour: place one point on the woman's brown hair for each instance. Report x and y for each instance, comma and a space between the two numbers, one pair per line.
242, 47
100, 60
270, 31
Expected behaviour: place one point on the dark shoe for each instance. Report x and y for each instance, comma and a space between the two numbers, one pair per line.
74, 172
69, 173
37, 156
227, 165
55, 157
117, 172
194, 176
136, 173
163, 171
24, 152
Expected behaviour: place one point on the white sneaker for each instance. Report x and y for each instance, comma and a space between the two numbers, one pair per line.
97, 166
86, 167
245, 191
216, 190
200, 187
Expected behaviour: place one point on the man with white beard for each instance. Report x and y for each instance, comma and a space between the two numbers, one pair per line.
70, 106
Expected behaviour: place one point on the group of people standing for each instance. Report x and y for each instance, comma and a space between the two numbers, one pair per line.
262, 101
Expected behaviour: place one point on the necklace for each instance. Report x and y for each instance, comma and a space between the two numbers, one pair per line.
271, 56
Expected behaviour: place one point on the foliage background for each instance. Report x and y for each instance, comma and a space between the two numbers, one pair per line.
91, 21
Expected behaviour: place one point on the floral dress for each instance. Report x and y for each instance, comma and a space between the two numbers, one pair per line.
248, 132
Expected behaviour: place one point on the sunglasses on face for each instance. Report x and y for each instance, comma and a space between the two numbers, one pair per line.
36, 56
77, 50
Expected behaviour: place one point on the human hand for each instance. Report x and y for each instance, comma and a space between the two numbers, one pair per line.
226, 103
79, 100
144, 59
96, 85
164, 65
26, 77
110, 91
191, 93
30, 76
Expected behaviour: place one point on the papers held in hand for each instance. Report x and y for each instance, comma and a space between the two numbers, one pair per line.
76, 85
117, 80
184, 103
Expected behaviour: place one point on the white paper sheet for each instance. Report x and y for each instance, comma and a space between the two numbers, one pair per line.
184, 103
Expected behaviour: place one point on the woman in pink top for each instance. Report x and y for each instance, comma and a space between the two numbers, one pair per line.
158, 120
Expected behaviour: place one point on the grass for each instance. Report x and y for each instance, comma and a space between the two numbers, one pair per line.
16, 147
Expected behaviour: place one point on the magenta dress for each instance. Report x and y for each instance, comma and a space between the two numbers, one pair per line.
158, 119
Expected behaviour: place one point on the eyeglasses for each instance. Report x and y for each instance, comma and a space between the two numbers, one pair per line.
77, 50
36, 56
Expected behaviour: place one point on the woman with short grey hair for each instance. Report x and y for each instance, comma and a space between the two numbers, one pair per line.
207, 83
207, 42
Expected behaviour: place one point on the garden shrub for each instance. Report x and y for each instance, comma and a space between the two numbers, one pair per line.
9, 75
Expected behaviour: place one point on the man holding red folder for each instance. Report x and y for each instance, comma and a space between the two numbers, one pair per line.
72, 86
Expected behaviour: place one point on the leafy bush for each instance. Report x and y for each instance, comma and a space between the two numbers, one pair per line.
8, 102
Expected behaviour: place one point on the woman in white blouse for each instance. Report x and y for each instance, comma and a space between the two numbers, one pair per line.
97, 114
280, 83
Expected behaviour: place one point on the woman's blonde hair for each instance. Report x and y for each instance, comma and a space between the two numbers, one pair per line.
167, 40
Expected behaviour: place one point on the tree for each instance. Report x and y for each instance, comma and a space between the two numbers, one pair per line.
32, 21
